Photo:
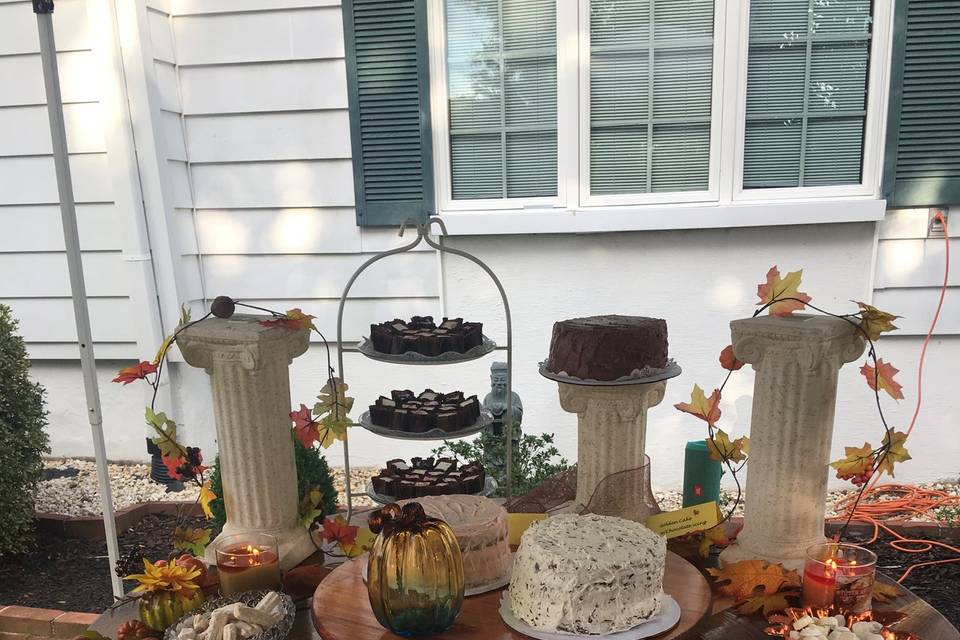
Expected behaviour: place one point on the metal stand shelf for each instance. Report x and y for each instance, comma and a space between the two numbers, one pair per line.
423, 235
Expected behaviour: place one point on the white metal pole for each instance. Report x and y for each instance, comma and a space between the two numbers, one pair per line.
68, 213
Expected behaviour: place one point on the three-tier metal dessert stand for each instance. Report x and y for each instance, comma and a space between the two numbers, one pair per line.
423, 235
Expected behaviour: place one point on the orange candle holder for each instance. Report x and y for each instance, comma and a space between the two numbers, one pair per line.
248, 562
839, 575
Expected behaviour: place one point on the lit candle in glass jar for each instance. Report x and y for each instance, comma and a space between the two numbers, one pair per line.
248, 562
839, 575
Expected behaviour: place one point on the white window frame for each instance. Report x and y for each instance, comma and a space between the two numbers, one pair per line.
724, 204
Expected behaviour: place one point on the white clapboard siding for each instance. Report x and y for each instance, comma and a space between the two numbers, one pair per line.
167, 91
407, 275
25, 131
917, 306
32, 180
18, 24
163, 6
299, 135
40, 275
51, 320
912, 263
173, 136
260, 37
277, 231
161, 37
184, 232
195, 7
317, 183
358, 314
269, 86
191, 281
911, 224
179, 175
30, 228
21, 78
69, 350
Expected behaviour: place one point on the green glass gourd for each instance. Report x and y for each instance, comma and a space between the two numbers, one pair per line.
160, 610
415, 571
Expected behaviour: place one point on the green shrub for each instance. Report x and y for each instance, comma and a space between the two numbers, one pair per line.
22, 439
312, 473
534, 458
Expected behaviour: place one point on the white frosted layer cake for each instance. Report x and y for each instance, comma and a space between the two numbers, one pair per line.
588, 574
480, 525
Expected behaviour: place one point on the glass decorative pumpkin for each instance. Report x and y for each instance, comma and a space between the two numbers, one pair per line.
415, 571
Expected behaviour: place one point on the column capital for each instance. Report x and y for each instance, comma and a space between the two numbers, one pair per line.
810, 341
240, 339
622, 402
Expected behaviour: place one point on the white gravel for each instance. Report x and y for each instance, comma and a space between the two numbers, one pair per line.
131, 484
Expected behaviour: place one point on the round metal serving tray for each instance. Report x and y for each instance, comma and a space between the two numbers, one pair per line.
482, 423
412, 357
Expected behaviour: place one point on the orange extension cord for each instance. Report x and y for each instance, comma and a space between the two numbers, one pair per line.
905, 500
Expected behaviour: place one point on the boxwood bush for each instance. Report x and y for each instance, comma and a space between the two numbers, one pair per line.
22, 439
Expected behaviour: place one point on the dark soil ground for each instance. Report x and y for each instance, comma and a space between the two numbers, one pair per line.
937, 584
73, 575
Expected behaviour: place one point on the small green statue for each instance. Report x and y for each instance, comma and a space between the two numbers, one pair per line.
495, 402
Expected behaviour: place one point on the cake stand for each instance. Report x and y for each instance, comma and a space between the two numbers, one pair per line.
341, 607
423, 235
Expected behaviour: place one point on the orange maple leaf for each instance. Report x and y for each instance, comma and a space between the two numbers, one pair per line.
857, 464
882, 377
707, 409
767, 603
873, 321
305, 427
292, 319
740, 580
338, 530
173, 466
785, 290
135, 372
716, 537
729, 361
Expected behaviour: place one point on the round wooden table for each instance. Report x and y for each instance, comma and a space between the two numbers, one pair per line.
341, 608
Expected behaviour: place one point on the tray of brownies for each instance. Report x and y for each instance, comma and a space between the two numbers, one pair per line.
429, 415
422, 341
429, 477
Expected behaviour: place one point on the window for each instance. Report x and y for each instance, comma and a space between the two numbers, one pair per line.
610, 105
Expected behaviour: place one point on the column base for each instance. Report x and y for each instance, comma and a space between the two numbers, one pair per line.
791, 557
295, 545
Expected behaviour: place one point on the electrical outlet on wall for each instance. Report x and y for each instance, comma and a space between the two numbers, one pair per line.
934, 226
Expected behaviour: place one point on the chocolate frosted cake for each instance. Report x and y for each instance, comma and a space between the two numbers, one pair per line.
422, 335
607, 347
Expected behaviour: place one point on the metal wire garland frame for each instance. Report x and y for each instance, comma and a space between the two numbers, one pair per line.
423, 235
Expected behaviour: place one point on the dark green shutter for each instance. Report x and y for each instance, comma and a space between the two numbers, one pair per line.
388, 82
922, 161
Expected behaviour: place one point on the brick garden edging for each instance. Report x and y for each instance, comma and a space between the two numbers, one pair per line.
91, 527
27, 623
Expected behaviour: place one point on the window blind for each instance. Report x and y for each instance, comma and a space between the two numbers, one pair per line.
502, 86
922, 162
807, 76
651, 69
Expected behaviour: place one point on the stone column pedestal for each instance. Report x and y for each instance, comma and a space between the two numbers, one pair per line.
796, 360
248, 367
611, 436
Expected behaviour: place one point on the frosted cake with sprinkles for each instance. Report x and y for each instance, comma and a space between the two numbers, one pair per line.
588, 574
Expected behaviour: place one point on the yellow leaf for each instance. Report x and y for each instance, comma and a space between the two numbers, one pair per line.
856, 465
720, 447
741, 579
873, 321
766, 603
206, 497
333, 429
882, 378
190, 539
162, 351
707, 409
714, 537
883, 592
896, 452
166, 430
785, 290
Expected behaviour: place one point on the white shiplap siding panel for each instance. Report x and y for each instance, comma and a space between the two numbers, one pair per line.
260, 37
173, 136
277, 86
42, 275
18, 26
186, 238
166, 74
68, 350
192, 283
269, 136
278, 231
180, 178
21, 78
318, 183
200, 7
910, 224
25, 131
110, 320
37, 228
917, 306
912, 263
161, 36
407, 275
163, 6
33, 180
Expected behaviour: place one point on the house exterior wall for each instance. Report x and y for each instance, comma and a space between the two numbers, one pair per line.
239, 111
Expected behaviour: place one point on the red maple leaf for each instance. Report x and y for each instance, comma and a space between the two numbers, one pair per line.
882, 378
338, 530
305, 426
293, 319
729, 361
173, 466
135, 372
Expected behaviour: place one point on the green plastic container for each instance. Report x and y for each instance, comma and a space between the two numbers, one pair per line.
701, 475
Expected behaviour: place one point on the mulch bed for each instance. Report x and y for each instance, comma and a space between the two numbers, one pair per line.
72, 575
